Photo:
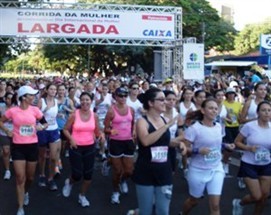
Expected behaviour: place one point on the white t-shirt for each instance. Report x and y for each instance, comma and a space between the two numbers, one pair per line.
202, 136
102, 108
256, 135
136, 105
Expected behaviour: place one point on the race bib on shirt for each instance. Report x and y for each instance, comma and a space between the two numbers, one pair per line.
51, 121
159, 154
213, 156
102, 110
262, 155
26, 130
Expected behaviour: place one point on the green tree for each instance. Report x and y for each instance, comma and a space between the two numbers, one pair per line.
9, 51
248, 40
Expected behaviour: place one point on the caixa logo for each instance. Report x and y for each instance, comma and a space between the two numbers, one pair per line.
157, 33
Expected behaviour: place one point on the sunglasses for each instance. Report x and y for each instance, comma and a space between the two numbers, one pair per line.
160, 99
122, 96
135, 88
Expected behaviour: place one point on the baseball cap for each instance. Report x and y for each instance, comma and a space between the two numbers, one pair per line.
26, 90
121, 91
233, 84
230, 90
153, 85
168, 80
41, 86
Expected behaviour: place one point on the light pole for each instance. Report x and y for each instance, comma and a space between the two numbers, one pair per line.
88, 58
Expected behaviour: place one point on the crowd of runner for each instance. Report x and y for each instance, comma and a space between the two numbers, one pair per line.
144, 131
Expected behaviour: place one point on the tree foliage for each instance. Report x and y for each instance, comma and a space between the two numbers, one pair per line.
248, 39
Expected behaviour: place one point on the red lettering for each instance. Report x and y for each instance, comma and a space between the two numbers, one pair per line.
83, 28
37, 28
52, 28
68, 28
112, 29
20, 28
98, 29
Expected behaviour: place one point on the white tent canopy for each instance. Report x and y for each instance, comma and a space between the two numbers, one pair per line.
231, 63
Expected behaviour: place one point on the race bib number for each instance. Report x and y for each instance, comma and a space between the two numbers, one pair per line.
159, 154
51, 121
102, 110
262, 155
26, 130
213, 156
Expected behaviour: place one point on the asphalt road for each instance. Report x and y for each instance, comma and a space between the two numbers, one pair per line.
45, 202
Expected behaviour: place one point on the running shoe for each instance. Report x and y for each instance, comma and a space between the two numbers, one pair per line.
124, 187
26, 199
105, 168
67, 153
226, 168
115, 198
20, 211
52, 185
66, 190
7, 175
82, 200
60, 165
57, 171
42, 181
133, 212
104, 157
185, 172
237, 209
241, 183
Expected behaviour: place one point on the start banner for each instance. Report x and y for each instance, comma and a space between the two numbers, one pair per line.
87, 24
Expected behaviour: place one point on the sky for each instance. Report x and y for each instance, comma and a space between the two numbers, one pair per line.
250, 11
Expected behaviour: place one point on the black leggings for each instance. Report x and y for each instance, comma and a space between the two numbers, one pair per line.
82, 162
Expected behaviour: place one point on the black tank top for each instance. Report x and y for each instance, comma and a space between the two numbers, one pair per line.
146, 171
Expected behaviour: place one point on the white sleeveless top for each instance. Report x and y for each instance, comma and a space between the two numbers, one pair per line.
252, 110
221, 118
183, 110
50, 115
173, 129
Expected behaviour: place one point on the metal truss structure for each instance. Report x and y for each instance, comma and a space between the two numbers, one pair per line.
168, 47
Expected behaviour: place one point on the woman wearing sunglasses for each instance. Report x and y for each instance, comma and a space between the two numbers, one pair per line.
119, 125
153, 170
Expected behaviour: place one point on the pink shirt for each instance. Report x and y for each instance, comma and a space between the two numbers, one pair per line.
24, 124
122, 124
83, 132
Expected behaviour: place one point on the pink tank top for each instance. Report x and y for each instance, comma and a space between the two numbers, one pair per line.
123, 124
83, 132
